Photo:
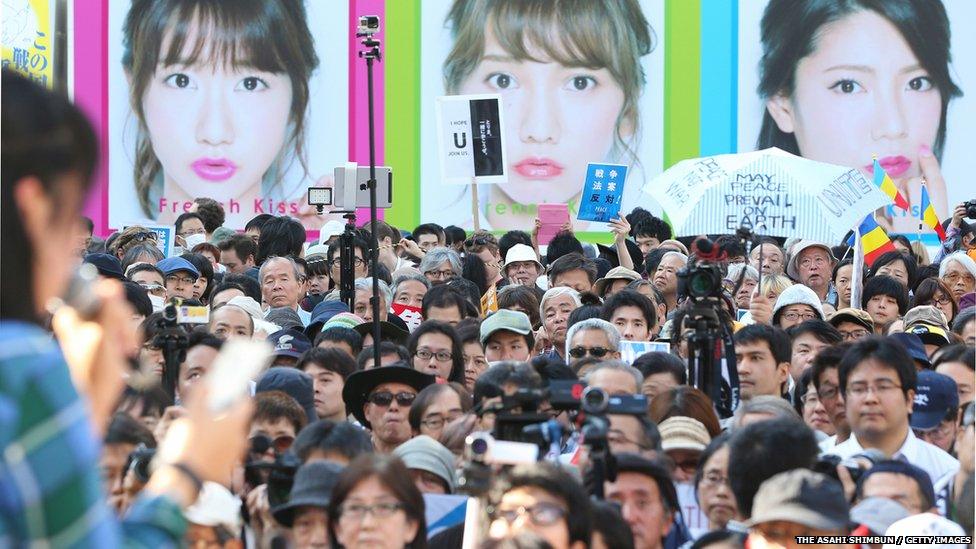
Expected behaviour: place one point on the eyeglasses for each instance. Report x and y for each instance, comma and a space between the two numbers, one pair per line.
541, 514
854, 334
191, 232
144, 236
385, 398
426, 354
615, 436
356, 262
174, 279
280, 444
479, 240
439, 274
598, 352
153, 288
952, 278
819, 260
861, 390
714, 479
358, 511
791, 316
689, 465
939, 432
828, 393
810, 399
438, 421
944, 300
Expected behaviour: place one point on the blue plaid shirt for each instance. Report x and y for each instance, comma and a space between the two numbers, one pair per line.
50, 486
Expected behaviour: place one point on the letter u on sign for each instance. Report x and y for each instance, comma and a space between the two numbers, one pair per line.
464, 140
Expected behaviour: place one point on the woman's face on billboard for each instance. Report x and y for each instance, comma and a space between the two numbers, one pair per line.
216, 129
862, 92
558, 118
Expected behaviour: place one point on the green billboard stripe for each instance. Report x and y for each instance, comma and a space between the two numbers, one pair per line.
402, 100
682, 77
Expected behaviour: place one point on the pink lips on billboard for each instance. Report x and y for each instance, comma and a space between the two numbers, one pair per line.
539, 168
894, 166
214, 169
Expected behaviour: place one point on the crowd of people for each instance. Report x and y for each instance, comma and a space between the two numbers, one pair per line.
853, 417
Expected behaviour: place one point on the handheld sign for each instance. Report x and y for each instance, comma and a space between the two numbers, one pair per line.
630, 350
603, 191
552, 217
165, 236
470, 139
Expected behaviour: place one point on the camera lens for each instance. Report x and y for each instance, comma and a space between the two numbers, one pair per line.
700, 284
594, 400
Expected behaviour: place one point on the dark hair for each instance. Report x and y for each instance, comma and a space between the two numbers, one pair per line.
469, 330
885, 285
955, 353
662, 363
133, 254
926, 290
332, 360
883, 351
922, 480
224, 286
512, 238
558, 483
270, 36
327, 436
551, 368
242, 245
137, 296
763, 449
492, 381
837, 267
443, 296
429, 228
183, 217
46, 137
457, 350
341, 334
524, 297
124, 429
911, 266
716, 444
561, 244
685, 401
827, 358
394, 476
357, 242
775, 338
800, 389
453, 234
280, 236
653, 259
275, 405
251, 286
630, 298
473, 269
206, 271
257, 222
652, 226
428, 394
573, 262
581, 313
731, 245
790, 30
211, 212
822, 330
960, 320
657, 471
386, 348
610, 524
469, 290
715, 537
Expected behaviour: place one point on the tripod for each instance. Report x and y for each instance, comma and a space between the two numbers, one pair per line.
347, 255
371, 54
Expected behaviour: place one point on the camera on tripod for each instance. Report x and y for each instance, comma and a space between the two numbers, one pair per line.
700, 280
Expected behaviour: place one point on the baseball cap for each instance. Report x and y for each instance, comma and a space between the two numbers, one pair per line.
803, 497
878, 513
289, 342
683, 433
857, 316
216, 506
914, 346
925, 314
935, 395
172, 265
505, 319
330, 229
107, 264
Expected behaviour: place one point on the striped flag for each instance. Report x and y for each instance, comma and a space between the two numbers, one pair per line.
927, 215
887, 186
873, 238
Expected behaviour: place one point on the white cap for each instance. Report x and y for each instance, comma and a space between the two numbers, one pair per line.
215, 506
330, 229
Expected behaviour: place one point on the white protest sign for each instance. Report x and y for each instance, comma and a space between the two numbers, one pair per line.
469, 132
630, 350
165, 236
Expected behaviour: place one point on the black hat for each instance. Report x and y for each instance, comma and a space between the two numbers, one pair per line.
611, 255
388, 331
312, 487
107, 264
360, 384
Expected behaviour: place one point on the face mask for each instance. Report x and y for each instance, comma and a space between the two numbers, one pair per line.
158, 303
194, 239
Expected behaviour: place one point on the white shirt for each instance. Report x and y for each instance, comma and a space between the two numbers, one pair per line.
940, 466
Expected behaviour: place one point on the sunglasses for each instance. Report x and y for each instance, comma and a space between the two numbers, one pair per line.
598, 352
142, 237
385, 398
261, 443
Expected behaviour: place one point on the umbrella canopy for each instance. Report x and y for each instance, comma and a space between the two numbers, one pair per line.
771, 192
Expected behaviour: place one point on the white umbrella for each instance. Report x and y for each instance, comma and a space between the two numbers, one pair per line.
771, 192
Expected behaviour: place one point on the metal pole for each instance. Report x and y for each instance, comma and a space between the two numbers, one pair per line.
373, 53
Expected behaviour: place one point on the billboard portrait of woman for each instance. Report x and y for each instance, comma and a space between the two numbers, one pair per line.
219, 95
572, 79
844, 81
